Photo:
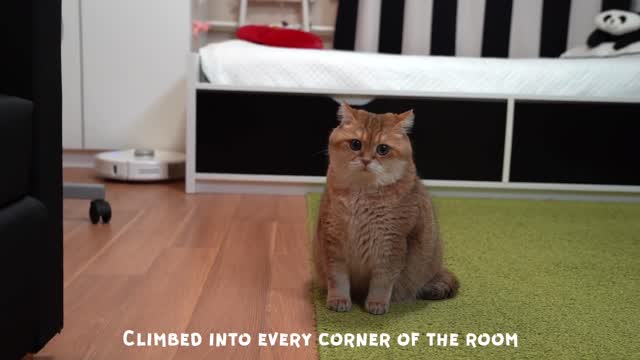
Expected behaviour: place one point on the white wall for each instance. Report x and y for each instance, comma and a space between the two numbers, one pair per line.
134, 55
129, 89
71, 76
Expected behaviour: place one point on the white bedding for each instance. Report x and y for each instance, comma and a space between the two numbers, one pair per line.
241, 63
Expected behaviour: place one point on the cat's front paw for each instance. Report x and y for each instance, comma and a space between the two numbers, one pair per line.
376, 307
340, 304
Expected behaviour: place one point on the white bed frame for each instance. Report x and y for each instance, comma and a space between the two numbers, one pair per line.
295, 185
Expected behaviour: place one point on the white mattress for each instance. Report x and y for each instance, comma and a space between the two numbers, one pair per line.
241, 63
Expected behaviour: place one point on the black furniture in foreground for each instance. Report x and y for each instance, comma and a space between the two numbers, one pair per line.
31, 283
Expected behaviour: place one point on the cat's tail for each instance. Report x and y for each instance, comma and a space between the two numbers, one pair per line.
443, 285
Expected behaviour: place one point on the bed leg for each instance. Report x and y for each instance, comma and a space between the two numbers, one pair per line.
193, 71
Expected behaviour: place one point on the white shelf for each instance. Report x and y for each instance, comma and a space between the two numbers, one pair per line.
231, 26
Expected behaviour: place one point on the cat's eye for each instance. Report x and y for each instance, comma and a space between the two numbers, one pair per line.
383, 149
355, 145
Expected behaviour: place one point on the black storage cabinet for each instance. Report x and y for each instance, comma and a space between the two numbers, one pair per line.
31, 306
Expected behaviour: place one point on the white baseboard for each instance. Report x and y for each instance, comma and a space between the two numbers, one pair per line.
78, 159
237, 187
594, 193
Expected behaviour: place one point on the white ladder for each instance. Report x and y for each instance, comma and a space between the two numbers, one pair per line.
306, 20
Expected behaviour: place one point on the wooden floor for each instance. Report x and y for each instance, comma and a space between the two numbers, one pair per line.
171, 262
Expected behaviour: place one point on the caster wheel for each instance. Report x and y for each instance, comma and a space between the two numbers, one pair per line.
100, 209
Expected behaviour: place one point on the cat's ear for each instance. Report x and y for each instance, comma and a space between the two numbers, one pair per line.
346, 114
405, 120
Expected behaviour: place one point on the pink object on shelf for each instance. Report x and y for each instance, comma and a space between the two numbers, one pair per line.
198, 27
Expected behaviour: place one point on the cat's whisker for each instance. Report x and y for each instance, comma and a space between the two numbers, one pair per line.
355, 164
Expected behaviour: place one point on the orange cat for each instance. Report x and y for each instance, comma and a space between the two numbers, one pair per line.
377, 233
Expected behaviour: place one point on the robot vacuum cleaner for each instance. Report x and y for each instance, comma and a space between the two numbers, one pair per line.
141, 165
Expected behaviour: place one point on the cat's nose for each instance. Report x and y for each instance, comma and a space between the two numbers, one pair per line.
366, 162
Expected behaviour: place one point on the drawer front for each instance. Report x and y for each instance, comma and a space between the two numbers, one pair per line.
576, 143
263, 133
454, 139
286, 134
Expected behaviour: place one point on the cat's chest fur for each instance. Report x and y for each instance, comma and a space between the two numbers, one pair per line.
364, 219
372, 225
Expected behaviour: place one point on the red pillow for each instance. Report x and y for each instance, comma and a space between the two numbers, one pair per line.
282, 37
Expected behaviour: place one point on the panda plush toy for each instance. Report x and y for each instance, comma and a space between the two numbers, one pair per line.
622, 28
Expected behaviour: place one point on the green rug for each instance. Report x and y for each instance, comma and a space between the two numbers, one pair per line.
564, 276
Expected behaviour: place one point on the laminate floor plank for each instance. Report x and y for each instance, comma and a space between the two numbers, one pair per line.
87, 242
290, 288
163, 303
291, 209
154, 230
235, 294
90, 304
210, 222
174, 262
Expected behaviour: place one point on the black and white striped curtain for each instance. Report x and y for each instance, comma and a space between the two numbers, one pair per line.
489, 28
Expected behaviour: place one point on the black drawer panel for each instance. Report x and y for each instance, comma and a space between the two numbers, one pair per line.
454, 139
581, 143
286, 134
263, 133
